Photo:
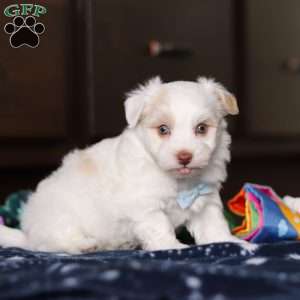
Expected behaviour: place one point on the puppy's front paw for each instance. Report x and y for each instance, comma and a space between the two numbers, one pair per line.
180, 246
219, 239
250, 247
169, 246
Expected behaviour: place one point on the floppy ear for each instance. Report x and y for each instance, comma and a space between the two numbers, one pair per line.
227, 100
134, 107
138, 98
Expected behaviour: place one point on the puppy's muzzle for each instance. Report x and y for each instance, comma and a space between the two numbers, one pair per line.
184, 157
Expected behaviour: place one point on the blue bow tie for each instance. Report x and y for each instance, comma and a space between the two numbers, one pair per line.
187, 197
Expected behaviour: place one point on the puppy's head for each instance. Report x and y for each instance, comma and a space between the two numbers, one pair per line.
179, 122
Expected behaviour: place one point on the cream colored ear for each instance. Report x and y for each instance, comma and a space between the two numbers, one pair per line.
229, 102
138, 98
227, 99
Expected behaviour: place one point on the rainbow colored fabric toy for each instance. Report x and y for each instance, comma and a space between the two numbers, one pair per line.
259, 215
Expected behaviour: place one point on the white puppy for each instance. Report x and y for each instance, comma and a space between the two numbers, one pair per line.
164, 170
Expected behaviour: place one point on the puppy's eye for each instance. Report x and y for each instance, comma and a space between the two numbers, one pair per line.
201, 129
164, 130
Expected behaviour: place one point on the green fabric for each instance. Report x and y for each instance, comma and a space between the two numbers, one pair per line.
254, 216
232, 219
254, 221
11, 210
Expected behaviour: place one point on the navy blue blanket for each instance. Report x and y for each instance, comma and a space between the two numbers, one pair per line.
219, 272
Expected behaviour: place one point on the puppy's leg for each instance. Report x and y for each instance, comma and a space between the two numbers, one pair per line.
61, 235
155, 232
210, 226
72, 241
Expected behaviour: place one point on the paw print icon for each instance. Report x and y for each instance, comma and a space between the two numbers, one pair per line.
24, 32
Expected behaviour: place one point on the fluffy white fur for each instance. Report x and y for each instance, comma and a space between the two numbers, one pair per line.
121, 192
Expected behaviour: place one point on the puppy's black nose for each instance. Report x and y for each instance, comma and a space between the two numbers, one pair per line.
184, 157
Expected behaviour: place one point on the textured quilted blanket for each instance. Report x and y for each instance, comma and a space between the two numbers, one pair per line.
216, 271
